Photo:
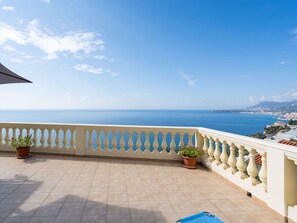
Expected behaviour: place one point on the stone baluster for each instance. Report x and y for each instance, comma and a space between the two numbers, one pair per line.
163, 143
263, 170
147, 140
138, 143
210, 150
205, 144
114, 140
241, 164
13, 133
6, 135
1, 136
65, 138
98, 141
90, 140
106, 143
50, 139
224, 155
217, 152
28, 131
130, 142
42, 139
122, 140
232, 159
190, 141
172, 142
58, 139
252, 167
35, 138
21, 132
72, 138
181, 140
155, 143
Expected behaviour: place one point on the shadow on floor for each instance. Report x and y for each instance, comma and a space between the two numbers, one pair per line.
21, 201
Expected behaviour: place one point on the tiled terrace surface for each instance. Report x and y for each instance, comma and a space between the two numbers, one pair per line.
70, 189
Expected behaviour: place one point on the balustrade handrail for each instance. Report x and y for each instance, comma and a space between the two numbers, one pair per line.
258, 144
231, 155
99, 125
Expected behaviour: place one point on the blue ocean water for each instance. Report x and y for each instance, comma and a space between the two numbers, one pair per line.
243, 124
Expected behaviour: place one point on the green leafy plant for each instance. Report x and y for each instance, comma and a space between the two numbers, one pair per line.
191, 152
22, 142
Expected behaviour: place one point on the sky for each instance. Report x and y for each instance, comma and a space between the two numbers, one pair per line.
150, 54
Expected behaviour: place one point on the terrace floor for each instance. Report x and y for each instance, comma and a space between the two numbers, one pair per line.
47, 188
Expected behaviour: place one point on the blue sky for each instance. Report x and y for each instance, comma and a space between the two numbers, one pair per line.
154, 54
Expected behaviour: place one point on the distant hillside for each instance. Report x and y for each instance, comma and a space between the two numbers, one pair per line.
275, 106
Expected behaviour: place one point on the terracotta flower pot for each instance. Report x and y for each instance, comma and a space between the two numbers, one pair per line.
190, 162
23, 152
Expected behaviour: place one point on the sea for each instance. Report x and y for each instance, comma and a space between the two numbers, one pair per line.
233, 122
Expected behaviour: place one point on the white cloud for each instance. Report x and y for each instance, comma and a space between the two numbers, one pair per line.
102, 57
190, 82
294, 33
9, 48
287, 96
283, 62
94, 70
88, 68
46, 1
111, 73
8, 33
16, 60
73, 42
7, 8
255, 100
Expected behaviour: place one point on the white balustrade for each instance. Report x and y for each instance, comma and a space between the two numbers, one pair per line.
232, 156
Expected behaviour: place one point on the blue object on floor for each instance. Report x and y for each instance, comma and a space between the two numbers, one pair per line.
202, 217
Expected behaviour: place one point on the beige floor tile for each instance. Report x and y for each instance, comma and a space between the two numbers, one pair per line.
72, 209
99, 187
24, 210
77, 197
95, 209
247, 205
36, 198
118, 219
15, 198
140, 208
183, 207
226, 205
97, 197
129, 190
117, 197
137, 196
68, 219
156, 196
56, 197
118, 208
42, 220
204, 205
160, 207
49, 210
166, 218
93, 219
143, 218
6, 209
17, 220
117, 187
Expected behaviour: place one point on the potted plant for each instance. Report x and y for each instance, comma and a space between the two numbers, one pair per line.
22, 146
190, 156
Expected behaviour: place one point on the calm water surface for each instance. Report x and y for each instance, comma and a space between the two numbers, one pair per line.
243, 124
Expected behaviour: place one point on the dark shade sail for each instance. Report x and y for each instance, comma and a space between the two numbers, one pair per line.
9, 77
